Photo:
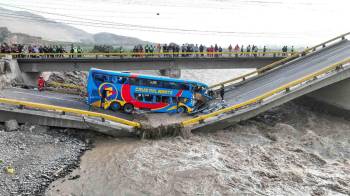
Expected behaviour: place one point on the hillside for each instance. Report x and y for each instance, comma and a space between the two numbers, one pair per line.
20, 23
112, 39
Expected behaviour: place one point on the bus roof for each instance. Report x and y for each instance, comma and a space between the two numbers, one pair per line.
161, 78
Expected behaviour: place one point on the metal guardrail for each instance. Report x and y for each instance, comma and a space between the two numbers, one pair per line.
260, 98
69, 110
280, 62
150, 54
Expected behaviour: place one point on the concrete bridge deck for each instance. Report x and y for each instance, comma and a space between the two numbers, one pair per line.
42, 64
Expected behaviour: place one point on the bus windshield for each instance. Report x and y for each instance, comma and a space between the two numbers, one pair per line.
127, 92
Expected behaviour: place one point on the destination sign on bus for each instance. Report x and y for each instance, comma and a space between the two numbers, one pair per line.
152, 90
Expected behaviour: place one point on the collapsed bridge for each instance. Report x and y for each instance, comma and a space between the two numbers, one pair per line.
325, 66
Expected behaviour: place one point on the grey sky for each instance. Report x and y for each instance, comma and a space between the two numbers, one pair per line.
274, 22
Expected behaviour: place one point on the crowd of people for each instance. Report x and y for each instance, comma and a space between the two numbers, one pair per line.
160, 50
21, 48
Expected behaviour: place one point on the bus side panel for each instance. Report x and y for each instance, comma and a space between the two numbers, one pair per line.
128, 92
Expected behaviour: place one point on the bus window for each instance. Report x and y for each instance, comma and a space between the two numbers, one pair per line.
132, 81
165, 99
171, 85
174, 85
158, 98
185, 87
148, 97
118, 79
153, 83
165, 84
144, 82
100, 78
138, 96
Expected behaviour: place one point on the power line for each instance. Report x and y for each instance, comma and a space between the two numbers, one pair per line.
147, 28
90, 24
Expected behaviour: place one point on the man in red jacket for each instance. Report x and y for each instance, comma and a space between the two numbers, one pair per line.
41, 83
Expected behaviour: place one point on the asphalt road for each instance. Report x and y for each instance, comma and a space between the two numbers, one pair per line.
57, 99
292, 71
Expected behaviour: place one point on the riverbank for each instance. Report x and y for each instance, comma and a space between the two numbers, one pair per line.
39, 155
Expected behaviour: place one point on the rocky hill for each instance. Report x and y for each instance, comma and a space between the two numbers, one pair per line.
22, 23
112, 39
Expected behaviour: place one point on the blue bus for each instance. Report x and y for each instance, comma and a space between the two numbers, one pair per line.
127, 91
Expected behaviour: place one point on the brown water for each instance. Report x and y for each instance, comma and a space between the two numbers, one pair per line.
288, 151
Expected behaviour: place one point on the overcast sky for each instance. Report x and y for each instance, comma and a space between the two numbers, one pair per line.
272, 22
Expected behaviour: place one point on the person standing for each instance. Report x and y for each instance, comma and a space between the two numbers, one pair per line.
230, 50
222, 92
201, 49
41, 83
103, 98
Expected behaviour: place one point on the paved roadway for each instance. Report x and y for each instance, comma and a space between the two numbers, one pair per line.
57, 99
242, 92
290, 72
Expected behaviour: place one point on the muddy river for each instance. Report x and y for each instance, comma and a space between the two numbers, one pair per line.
290, 150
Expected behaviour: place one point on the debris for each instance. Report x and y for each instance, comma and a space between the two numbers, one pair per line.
74, 177
11, 125
10, 169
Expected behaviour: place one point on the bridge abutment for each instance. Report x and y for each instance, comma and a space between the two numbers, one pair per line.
336, 95
13, 74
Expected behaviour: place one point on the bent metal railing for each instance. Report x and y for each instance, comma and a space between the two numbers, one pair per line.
260, 98
278, 63
69, 110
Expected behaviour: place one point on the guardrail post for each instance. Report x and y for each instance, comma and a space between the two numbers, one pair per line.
201, 121
324, 45
63, 113
339, 67
342, 38
243, 78
287, 89
103, 119
21, 107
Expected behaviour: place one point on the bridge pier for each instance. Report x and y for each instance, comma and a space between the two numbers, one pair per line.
171, 72
13, 74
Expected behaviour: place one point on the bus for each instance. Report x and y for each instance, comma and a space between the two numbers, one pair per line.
128, 91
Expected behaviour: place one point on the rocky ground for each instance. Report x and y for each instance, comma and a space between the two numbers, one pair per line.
38, 155
290, 150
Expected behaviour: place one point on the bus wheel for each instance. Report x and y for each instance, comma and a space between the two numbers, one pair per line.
128, 108
115, 106
181, 109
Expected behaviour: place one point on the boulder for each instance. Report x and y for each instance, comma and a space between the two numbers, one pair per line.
11, 125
